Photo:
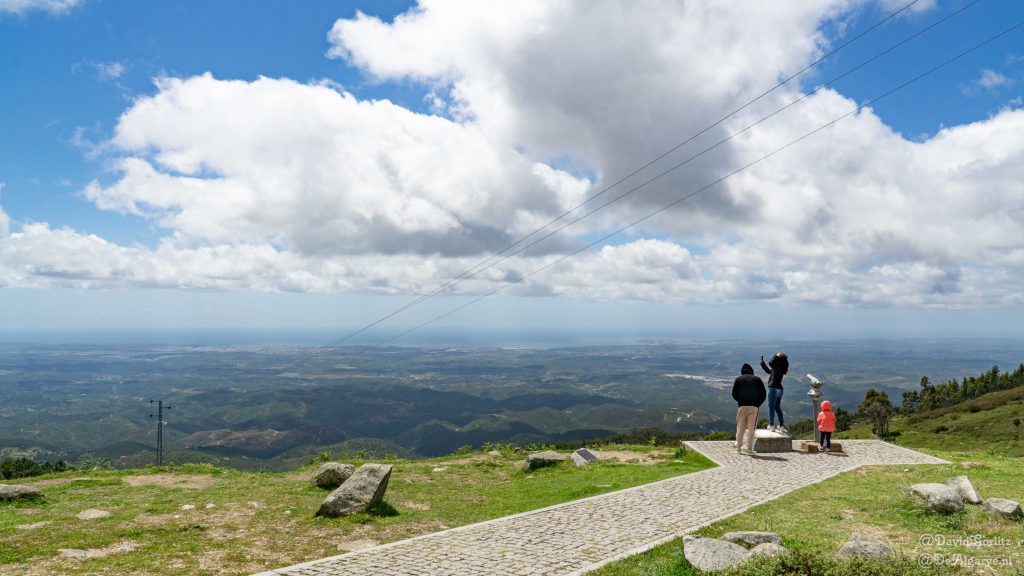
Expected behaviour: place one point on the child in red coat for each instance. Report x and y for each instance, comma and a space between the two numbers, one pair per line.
826, 426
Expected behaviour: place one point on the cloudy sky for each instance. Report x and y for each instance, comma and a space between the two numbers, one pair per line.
234, 164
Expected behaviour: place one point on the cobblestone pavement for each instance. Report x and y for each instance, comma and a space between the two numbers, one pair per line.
577, 536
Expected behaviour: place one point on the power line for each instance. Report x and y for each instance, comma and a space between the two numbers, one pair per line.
486, 263
714, 183
719, 143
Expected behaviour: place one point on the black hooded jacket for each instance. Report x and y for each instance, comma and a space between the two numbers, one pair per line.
748, 389
776, 369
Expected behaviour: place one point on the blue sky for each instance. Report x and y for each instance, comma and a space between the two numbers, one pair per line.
70, 77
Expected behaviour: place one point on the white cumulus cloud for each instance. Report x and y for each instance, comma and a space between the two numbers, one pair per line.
274, 184
22, 6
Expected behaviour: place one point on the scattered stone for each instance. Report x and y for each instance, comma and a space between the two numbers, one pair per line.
287, 512
1003, 508
255, 505
711, 555
92, 514
969, 464
494, 453
34, 525
359, 493
357, 545
73, 553
330, 475
582, 457
545, 458
963, 485
11, 492
864, 546
188, 507
769, 549
937, 497
440, 469
750, 539
210, 505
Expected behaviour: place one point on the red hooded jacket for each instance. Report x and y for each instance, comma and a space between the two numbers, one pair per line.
826, 419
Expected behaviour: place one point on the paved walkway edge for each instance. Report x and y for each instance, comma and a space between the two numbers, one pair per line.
660, 541
439, 533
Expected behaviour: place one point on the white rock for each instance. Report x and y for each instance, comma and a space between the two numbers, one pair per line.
92, 514
711, 555
188, 507
750, 538
963, 485
938, 497
864, 546
34, 525
1003, 508
770, 549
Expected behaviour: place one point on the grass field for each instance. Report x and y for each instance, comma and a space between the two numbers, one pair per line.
261, 521
815, 521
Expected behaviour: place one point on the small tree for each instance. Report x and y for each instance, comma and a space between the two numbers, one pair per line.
878, 408
843, 419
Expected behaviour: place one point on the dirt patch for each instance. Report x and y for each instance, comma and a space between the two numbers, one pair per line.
190, 481
414, 505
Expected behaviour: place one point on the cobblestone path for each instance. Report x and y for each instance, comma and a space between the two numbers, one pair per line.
577, 536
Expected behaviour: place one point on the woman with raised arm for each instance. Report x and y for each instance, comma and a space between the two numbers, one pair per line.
776, 370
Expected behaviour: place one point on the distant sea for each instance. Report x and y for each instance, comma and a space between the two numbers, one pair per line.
516, 339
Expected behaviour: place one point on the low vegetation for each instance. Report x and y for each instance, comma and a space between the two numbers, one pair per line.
240, 522
815, 521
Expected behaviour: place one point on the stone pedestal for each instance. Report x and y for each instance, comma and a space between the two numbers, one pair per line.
810, 446
767, 442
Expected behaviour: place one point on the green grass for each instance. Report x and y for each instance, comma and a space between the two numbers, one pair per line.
815, 521
235, 537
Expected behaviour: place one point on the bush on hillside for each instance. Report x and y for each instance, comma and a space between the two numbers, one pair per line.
11, 468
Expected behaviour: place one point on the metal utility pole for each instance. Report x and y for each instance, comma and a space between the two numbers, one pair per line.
159, 430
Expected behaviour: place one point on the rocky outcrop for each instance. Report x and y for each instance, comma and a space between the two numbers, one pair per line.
937, 497
963, 485
330, 475
1003, 508
711, 555
11, 492
864, 546
359, 493
542, 459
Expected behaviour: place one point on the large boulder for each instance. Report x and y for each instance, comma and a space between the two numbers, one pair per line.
545, 458
711, 555
965, 487
938, 497
330, 475
10, 492
864, 546
1003, 508
359, 493
751, 539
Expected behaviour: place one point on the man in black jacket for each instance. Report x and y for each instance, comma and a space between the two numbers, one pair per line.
749, 393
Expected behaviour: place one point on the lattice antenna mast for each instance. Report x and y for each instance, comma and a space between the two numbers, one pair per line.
159, 430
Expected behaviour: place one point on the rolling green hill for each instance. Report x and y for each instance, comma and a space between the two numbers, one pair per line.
985, 424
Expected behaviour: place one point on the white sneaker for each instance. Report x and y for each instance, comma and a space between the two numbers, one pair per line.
771, 428
782, 430
751, 452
